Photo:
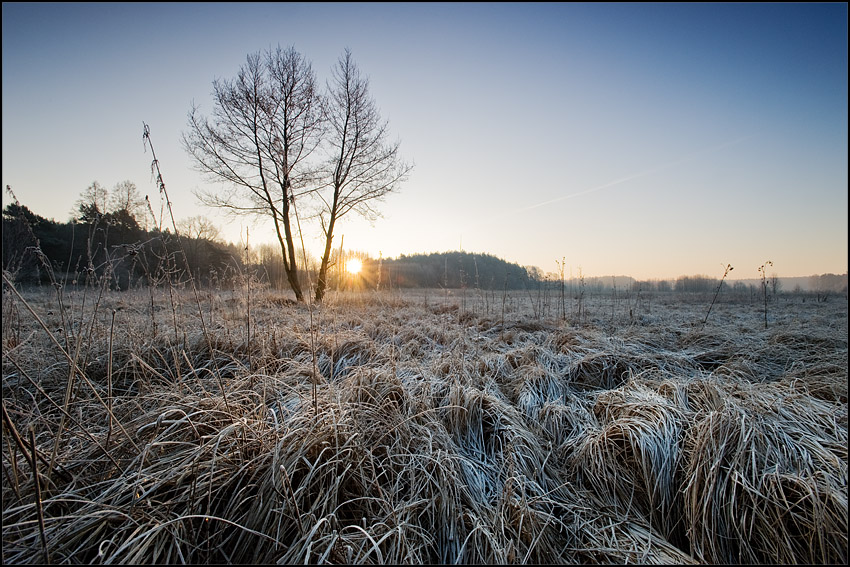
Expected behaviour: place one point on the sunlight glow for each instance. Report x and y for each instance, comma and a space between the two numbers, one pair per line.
353, 266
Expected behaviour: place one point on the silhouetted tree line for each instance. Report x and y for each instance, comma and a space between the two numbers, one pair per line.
696, 284
108, 237
98, 244
454, 270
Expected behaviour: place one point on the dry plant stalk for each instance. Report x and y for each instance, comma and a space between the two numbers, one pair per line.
726, 271
38, 506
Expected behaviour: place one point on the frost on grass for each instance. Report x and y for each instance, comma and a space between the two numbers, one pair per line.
440, 432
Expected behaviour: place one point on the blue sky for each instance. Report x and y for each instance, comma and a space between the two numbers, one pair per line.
651, 140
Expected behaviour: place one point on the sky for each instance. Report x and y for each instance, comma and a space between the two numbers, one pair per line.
650, 140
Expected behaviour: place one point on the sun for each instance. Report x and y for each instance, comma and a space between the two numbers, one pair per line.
353, 266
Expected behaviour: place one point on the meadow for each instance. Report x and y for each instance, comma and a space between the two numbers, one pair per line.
428, 426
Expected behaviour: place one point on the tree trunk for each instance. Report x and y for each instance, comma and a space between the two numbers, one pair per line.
322, 284
290, 266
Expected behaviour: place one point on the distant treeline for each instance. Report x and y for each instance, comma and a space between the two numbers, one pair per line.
457, 270
113, 245
109, 245
453, 270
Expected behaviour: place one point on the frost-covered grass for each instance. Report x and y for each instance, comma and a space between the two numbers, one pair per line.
471, 427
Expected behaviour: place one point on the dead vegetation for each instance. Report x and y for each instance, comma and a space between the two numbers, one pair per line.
443, 434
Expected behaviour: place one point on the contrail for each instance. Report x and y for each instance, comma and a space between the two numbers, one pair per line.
636, 175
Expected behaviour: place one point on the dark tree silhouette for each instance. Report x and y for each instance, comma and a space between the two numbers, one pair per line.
362, 166
265, 124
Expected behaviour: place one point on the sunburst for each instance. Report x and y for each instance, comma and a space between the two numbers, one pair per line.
353, 266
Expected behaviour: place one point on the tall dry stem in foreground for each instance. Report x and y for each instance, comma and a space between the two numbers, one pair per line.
38, 503
313, 329
146, 139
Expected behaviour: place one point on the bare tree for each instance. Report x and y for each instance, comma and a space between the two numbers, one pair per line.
92, 202
125, 197
775, 284
362, 166
265, 124
200, 234
199, 227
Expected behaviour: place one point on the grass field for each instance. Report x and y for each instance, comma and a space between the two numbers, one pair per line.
422, 427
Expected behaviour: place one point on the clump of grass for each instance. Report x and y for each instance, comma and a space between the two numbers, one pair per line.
761, 489
633, 455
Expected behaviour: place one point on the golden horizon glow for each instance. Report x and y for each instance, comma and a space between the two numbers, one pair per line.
353, 266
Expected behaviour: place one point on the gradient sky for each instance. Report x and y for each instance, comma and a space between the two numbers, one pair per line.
651, 140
